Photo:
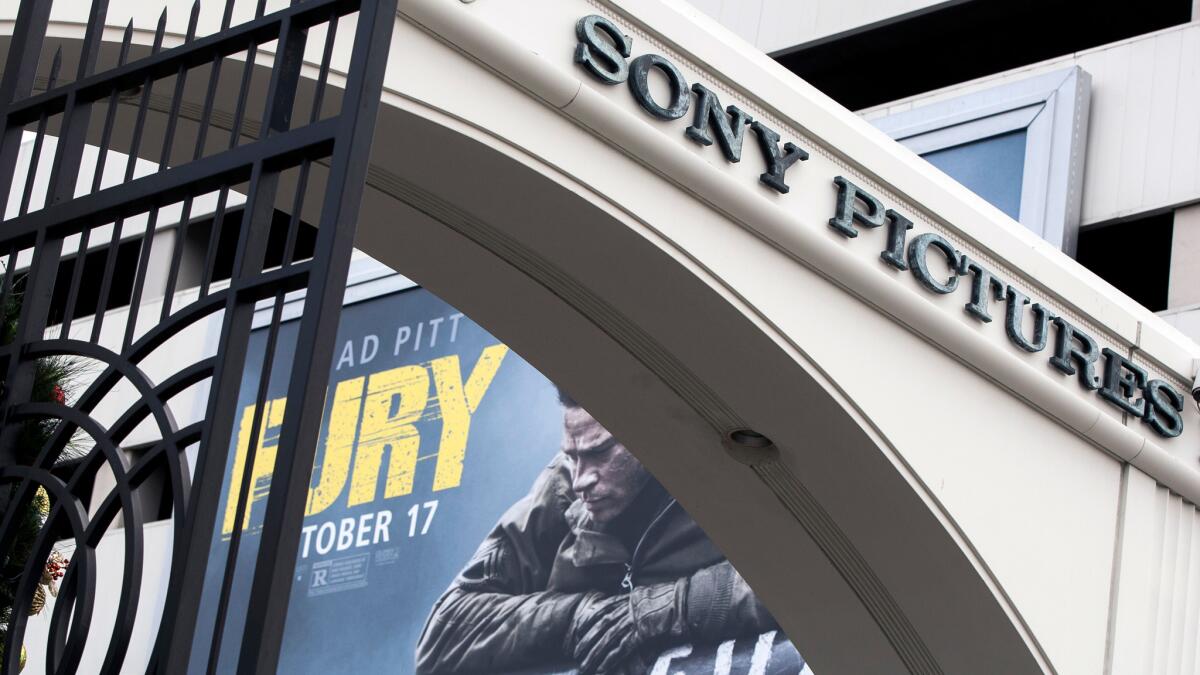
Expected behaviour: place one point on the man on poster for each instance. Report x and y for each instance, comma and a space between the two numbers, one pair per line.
597, 567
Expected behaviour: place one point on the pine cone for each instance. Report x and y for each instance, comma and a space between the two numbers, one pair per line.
24, 656
39, 600
41, 501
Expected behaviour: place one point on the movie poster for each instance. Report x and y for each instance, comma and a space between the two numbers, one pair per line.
464, 515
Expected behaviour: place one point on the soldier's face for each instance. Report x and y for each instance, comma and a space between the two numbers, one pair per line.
603, 473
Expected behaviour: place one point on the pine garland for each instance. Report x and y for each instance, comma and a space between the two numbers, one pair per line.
53, 377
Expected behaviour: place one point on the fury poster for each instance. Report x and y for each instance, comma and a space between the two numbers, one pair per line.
466, 516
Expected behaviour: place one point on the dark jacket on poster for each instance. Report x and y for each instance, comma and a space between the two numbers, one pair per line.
514, 604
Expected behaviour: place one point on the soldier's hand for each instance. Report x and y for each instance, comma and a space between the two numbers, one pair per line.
603, 637
721, 605
658, 612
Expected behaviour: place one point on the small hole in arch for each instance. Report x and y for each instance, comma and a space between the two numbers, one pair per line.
749, 438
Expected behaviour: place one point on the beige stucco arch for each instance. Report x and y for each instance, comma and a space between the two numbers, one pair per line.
937, 500
671, 359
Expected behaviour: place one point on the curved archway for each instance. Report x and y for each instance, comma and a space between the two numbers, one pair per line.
842, 541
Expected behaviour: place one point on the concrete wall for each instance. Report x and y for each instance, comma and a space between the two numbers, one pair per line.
157, 539
1143, 143
1184, 288
1156, 594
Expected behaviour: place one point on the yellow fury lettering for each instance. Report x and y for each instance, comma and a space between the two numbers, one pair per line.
374, 416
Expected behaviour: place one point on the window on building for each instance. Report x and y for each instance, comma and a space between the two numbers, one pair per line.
192, 261
199, 235
87, 300
1018, 145
154, 493
991, 168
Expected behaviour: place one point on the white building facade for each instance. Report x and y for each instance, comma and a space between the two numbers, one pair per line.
983, 457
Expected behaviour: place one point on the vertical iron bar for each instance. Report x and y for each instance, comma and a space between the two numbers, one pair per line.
256, 224
89, 54
123, 56
105, 139
139, 283
176, 259
35, 157
293, 231
152, 220
114, 243
323, 72
244, 490
239, 113
135, 145
168, 142
31, 325
97, 180
6, 285
76, 120
90, 51
110, 269
177, 630
76, 280
159, 31
285, 78
214, 240
177, 95
99, 9
76, 115
24, 52
256, 218
214, 78
227, 17
271, 590
16, 82
55, 68
71, 141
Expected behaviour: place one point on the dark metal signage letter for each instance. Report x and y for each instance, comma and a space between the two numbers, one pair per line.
898, 227
1123, 379
984, 288
777, 163
603, 59
918, 259
848, 213
1163, 405
729, 134
1014, 315
639, 74
1075, 344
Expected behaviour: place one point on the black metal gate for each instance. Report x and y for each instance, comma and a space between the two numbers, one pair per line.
239, 118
